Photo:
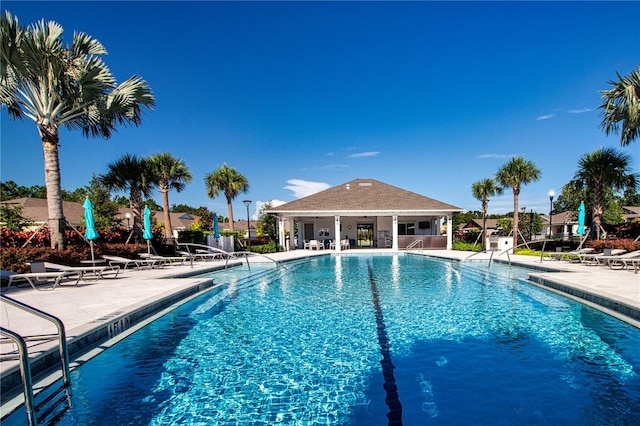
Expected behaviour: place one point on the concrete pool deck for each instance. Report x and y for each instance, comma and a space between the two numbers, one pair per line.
95, 311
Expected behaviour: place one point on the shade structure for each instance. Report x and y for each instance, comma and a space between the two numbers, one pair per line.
216, 227
581, 214
147, 235
91, 233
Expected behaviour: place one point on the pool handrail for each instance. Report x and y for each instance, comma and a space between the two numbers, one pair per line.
228, 255
25, 372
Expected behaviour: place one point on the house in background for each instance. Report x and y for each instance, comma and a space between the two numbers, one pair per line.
35, 209
369, 213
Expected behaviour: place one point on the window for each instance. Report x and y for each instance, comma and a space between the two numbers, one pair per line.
406, 229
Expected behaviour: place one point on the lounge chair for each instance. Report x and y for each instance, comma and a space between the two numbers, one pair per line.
35, 278
616, 262
572, 256
594, 259
167, 259
138, 263
633, 261
95, 272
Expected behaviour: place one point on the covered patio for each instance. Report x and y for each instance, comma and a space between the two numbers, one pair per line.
367, 213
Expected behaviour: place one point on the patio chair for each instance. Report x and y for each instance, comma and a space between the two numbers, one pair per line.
593, 259
316, 245
345, 245
633, 261
36, 279
138, 263
95, 272
616, 262
167, 259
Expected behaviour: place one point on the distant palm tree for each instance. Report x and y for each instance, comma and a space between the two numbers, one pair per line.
135, 175
55, 84
599, 171
482, 190
226, 179
171, 173
622, 104
513, 174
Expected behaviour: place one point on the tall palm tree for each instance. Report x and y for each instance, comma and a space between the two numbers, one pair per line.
599, 171
622, 104
482, 190
55, 84
170, 173
135, 175
513, 174
226, 179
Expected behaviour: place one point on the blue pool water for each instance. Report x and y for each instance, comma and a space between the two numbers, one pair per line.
460, 344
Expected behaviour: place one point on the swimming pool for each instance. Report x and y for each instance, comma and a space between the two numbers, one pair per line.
367, 340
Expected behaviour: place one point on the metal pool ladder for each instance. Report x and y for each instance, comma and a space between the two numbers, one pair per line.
58, 397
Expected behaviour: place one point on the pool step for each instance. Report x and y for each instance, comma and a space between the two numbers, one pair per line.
53, 406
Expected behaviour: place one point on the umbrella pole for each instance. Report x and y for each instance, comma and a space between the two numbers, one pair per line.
93, 259
148, 247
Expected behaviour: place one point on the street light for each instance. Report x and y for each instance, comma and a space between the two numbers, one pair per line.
551, 194
246, 203
128, 216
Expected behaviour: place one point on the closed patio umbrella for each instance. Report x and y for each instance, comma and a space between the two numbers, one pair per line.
147, 235
581, 214
91, 233
216, 228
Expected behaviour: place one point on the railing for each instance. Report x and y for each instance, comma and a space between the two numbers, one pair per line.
227, 254
416, 243
25, 372
23, 357
480, 252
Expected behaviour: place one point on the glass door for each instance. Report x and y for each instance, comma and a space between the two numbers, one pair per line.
365, 234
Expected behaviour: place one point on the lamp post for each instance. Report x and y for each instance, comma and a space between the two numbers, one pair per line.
128, 216
551, 194
246, 203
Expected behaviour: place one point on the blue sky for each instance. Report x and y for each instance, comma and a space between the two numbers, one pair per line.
301, 96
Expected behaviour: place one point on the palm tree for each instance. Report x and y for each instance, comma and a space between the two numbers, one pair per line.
622, 104
133, 174
513, 174
170, 173
55, 84
226, 179
482, 190
602, 170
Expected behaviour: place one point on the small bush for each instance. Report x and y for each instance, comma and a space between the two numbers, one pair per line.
465, 246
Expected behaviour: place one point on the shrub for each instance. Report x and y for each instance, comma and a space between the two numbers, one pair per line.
465, 246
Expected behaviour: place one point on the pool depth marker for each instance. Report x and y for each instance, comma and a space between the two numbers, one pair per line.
393, 399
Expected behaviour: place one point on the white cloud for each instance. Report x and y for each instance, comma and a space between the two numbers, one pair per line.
579, 111
302, 188
499, 156
546, 117
260, 205
364, 154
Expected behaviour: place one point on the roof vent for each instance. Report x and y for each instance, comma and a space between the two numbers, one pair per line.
364, 184
348, 186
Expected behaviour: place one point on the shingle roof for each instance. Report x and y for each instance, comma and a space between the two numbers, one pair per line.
365, 195
35, 209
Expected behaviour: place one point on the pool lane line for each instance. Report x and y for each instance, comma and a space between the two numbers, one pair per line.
393, 399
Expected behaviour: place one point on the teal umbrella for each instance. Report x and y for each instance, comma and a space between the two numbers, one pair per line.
216, 228
581, 215
147, 235
91, 233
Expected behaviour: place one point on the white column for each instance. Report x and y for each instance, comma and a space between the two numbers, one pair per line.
449, 232
336, 233
292, 236
394, 231
281, 230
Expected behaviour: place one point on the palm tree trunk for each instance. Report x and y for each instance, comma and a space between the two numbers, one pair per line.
516, 194
598, 202
135, 202
54, 193
168, 230
483, 242
230, 213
